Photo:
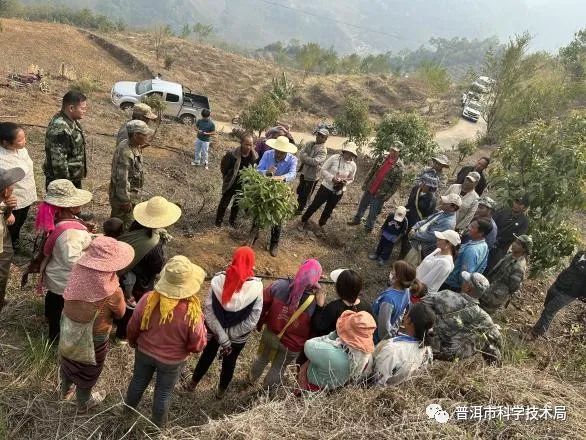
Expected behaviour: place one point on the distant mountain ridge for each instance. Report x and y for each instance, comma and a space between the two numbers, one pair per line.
396, 24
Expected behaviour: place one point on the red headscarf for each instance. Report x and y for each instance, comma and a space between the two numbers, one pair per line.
238, 272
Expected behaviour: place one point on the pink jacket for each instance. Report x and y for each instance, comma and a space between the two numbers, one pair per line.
169, 343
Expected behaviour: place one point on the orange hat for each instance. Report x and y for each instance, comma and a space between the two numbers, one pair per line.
356, 330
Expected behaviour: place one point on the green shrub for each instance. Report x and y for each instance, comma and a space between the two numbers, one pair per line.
262, 113
169, 60
86, 85
156, 103
353, 121
269, 202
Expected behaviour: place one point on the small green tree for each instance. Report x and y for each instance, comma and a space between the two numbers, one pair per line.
202, 31
185, 31
547, 161
573, 56
269, 202
308, 57
156, 103
160, 36
409, 128
262, 113
282, 88
353, 121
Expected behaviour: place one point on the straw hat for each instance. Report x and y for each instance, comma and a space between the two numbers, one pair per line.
157, 213
107, 254
350, 147
63, 194
282, 144
180, 278
356, 330
10, 177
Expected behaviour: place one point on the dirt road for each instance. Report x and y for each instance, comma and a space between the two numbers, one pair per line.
447, 139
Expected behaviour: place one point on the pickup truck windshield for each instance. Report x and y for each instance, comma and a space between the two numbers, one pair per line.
474, 106
144, 87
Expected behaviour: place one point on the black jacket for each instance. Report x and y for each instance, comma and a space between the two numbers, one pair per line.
426, 206
572, 280
480, 187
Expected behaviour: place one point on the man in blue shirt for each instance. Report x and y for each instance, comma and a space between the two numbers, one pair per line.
473, 255
278, 164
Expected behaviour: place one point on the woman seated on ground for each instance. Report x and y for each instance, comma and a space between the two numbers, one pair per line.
342, 356
232, 310
166, 327
287, 311
389, 307
435, 268
348, 287
396, 359
93, 298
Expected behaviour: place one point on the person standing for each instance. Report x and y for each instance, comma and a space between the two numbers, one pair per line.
480, 167
278, 164
437, 266
336, 174
469, 200
510, 222
232, 310
311, 158
127, 176
261, 146
473, 256
394, 228
13, 153
166, 327
232, 163
65, 154
439, 163
383, 180
422, 236
485, 210
7, 203
508, 274
568, 286
140, 112
92, 299
205, 130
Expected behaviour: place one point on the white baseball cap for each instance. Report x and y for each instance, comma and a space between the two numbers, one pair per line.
452, 236
334, 274
400, 213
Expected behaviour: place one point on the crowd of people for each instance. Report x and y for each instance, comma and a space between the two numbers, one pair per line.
460, 259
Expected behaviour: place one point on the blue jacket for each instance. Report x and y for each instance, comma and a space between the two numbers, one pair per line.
440, 221
473, 257
287, 167
388, 310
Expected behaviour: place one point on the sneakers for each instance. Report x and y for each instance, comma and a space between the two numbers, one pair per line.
274, 249
220, 393
381, 262
372, 257
206, 166
195, 163
94, 401
353, 222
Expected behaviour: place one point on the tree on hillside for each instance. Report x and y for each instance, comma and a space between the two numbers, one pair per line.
202, 31
309, 57
262, 113
8, 8
409, 128
573, 56
353, 121
160, 35
436, 79
506, 69
547, 161
185, 31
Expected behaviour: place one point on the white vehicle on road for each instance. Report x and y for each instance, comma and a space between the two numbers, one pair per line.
180, 102
472, 111
483, 84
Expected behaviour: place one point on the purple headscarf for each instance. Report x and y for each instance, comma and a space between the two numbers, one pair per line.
307, 276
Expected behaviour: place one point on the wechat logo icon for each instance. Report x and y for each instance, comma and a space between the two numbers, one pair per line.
435, 411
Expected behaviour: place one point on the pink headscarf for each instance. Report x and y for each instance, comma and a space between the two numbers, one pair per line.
45, 221
307, 276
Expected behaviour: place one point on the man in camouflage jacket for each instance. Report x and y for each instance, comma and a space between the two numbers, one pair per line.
127, 172
462, 328
383, 180
65, 142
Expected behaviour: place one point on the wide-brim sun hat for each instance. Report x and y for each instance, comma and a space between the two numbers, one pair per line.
157, 213
63, 194
282, 144
356, 330
442, 159
350, 147
452, 236
335, 274
10, 177
180, 278
106, 254
526, 241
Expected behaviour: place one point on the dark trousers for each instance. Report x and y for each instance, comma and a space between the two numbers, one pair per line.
145, 367
323, 195
275, 233
5, 262
384, 248
228, 196
374, 206
555, 300
53, 308
20, 216
228, 363
122, 323
304, 191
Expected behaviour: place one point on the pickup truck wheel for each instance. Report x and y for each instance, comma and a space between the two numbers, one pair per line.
126, 106
187, 119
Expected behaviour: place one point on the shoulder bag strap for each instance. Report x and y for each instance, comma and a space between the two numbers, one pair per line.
297, 314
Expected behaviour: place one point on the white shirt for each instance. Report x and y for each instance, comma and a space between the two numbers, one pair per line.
69, 247
336, 166
434, 270
466, 212
25, 190
395, 360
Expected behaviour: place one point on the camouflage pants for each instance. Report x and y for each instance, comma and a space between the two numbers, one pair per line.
118, 212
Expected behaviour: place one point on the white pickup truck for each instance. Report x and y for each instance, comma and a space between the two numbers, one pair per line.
180, 103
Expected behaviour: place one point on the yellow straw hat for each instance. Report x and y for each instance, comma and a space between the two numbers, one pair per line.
180, 278
157, 213
282, 144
